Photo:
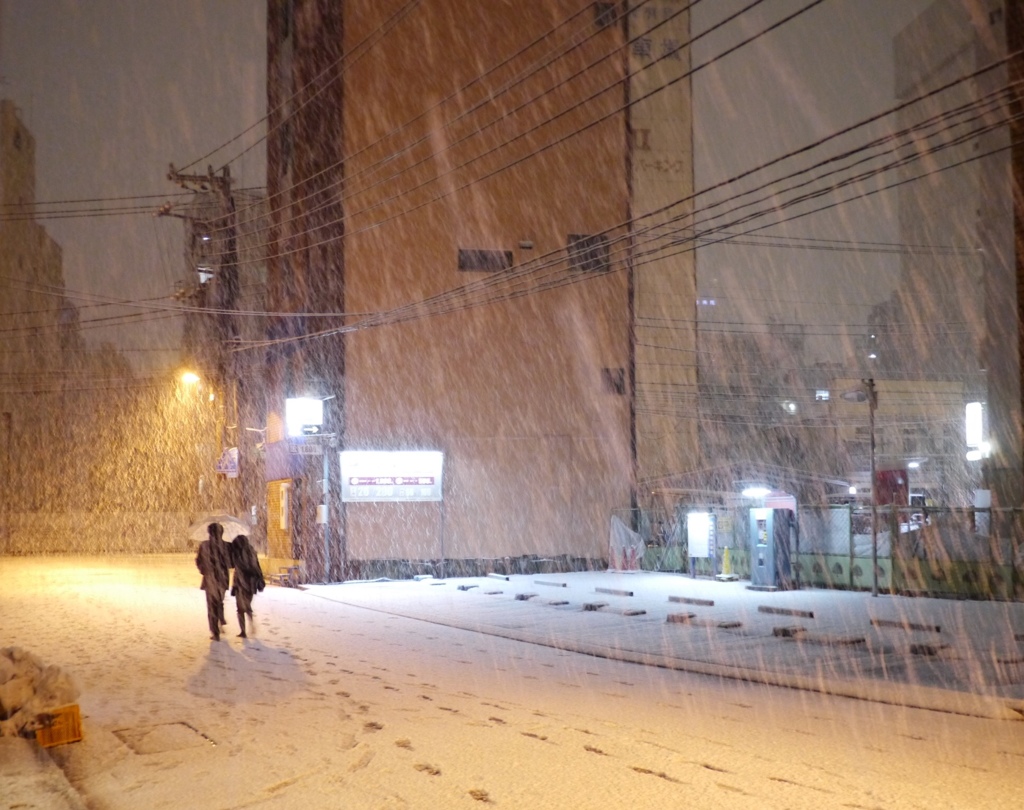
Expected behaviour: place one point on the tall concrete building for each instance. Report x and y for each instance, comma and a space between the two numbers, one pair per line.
471, 207
953, 324
38, 326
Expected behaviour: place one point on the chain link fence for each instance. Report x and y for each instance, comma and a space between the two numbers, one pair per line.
969, 553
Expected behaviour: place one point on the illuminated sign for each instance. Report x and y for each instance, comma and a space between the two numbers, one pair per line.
396, 475
303, 416
700, 534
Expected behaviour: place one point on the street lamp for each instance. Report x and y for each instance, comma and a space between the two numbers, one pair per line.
867, 393
304, 420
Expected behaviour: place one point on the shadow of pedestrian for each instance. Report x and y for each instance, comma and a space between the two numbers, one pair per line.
258, 673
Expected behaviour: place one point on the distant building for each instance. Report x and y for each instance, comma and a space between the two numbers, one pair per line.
950, 332
39, 324
476, 241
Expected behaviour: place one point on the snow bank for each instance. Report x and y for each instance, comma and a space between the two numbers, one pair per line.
28, 689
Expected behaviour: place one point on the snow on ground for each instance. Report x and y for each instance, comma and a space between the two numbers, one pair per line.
335, 706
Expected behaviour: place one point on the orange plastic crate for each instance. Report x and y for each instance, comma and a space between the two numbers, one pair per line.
64, 726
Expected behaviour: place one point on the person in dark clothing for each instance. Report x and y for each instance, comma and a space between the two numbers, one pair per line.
248, 579
214, 563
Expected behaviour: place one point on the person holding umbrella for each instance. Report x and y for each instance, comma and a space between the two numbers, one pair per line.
213, 561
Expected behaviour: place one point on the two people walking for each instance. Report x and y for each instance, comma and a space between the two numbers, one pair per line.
214, 560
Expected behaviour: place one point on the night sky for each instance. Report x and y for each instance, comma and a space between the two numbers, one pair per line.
115, 90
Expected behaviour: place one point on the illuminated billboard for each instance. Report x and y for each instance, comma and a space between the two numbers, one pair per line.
391, 475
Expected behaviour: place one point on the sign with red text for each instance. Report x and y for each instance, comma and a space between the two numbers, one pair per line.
391, 475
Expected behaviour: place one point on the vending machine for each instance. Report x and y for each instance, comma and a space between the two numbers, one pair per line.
772, 535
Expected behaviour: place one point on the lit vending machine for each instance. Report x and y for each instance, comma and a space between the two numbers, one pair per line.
772, 533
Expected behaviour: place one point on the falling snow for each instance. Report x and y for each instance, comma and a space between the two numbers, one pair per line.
336, 704
618, 264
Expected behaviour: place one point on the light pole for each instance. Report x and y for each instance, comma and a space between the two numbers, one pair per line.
219, 491
867, 393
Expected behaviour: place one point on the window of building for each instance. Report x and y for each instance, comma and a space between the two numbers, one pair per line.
605, 14
613, 380
485, 261
821, 395
588, 254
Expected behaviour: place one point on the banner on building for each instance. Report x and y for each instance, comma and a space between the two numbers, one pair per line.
391, 475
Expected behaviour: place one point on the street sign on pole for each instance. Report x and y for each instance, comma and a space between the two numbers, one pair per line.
311, 445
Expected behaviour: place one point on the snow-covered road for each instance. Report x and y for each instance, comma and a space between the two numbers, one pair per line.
337, 706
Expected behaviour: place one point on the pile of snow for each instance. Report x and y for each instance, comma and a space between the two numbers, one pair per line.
28, 690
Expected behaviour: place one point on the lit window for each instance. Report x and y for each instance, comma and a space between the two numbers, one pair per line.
821, 395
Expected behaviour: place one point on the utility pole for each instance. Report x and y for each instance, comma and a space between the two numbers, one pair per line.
226, 291
227, 286
867, 392
872, 394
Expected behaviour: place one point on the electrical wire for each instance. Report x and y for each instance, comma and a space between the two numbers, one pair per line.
335, 313
490, 98
420, 305
612, 87
359, 50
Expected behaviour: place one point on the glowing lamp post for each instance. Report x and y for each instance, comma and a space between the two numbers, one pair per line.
867, 393
304, 420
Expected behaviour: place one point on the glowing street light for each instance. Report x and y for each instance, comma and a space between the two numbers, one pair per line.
189, 377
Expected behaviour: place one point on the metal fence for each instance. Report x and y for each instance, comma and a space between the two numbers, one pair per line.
937, 551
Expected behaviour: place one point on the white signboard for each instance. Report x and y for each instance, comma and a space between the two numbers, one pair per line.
700, 534
391, 475
306, 445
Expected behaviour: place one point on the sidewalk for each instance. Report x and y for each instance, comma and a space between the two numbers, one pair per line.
963, 657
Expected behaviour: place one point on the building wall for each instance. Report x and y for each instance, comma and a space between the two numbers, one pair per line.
305, 261
955, 316
915, 421
459, 185
660, 161
504, 376
30, 387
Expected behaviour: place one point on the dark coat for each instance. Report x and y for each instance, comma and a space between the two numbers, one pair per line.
248, 574
213, 562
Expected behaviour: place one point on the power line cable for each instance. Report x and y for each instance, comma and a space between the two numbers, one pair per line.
490, 99
360, 49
